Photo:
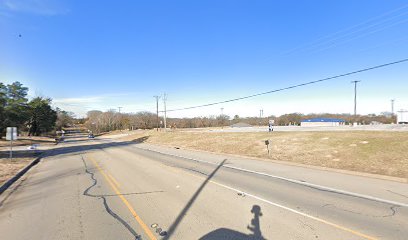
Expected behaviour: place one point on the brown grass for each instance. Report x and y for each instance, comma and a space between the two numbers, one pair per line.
9, 168
375, 152
23, 141
21, 158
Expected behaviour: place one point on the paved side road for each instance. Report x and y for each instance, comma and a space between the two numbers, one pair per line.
117, 190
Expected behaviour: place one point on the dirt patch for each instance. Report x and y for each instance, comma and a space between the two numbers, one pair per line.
375, 152
10, 168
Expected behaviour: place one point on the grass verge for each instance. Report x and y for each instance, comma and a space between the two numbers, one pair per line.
375, 152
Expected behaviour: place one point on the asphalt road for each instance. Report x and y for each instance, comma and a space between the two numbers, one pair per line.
101, 189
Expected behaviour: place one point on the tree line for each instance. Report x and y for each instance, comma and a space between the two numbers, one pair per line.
35, 117
99, 121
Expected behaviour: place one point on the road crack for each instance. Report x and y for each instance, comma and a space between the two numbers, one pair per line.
392, 208
393, 211
105, 203
399, 194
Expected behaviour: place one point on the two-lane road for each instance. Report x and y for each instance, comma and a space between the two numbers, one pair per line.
100, 189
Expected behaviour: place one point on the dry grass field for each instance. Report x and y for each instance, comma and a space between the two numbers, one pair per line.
375, 152
9, 168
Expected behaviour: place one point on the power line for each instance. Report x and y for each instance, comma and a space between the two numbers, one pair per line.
293, 86
372, 22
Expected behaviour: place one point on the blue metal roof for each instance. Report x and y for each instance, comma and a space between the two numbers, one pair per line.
323, 120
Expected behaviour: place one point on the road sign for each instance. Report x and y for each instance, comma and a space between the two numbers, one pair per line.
11, 134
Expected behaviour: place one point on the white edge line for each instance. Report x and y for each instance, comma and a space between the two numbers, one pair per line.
320, 187
296, 212
281, 206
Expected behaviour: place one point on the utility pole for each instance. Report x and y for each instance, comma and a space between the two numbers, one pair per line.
222, 118
165, 111
392, 106
120, 124
392, 109
355, 98
157, 110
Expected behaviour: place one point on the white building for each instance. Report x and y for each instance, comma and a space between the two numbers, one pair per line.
402, 117
322, 122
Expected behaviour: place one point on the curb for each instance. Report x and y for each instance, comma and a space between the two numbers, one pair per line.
12, 180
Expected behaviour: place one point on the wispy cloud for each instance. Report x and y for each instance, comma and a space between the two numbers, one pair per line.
37, 7
81, 105
81, 100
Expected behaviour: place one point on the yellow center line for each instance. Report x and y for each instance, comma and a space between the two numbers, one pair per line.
113, 180
125, 201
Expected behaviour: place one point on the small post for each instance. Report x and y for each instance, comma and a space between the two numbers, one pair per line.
10, 136
267, 146
11, 150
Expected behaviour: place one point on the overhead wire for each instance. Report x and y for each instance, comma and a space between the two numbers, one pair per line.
293, 86
341, 34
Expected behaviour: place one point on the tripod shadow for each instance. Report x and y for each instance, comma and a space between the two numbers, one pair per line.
225, 233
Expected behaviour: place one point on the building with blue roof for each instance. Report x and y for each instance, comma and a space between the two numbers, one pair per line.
322, 122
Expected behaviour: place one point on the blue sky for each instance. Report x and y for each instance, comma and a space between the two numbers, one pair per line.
105, 54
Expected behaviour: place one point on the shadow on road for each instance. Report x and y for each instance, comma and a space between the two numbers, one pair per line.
225, 233
183, 212
98, 144
140, 140
20, 154
61, 148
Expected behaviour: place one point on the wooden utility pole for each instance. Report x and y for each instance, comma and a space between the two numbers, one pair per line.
355, 98
165, 111
157, 110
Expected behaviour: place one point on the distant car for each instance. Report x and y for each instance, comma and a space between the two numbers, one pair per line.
91, 135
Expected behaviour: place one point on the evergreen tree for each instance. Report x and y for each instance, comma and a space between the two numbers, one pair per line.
42, 116
16, 108
3, 101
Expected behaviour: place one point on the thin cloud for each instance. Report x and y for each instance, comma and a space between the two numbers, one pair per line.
82, 100
81, 105
37, 7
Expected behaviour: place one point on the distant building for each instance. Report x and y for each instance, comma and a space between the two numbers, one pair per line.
240, 125
322, 122
402, 117
387, 114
